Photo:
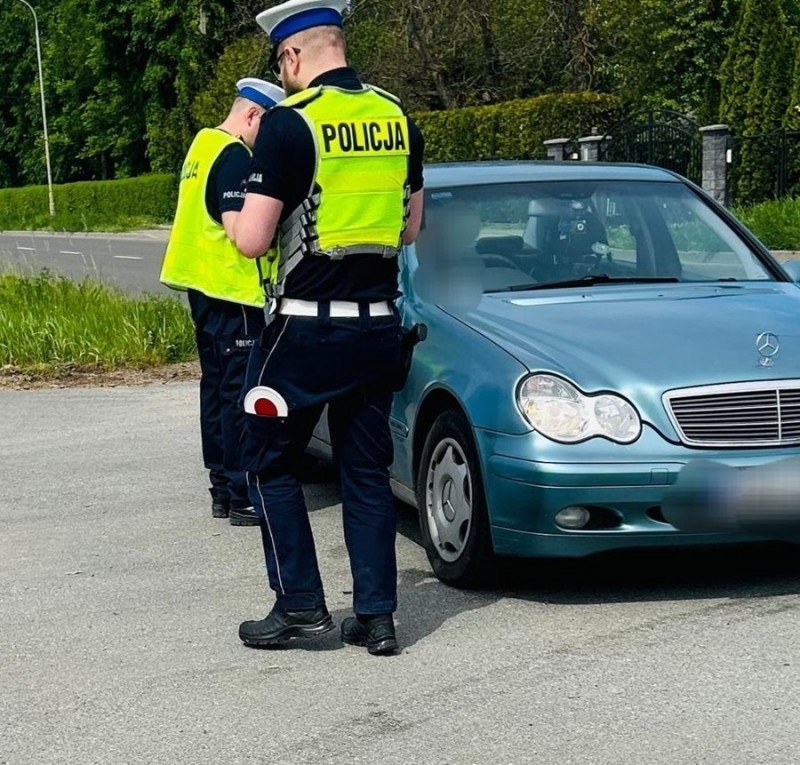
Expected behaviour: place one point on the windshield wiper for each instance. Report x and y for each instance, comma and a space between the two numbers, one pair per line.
588, 281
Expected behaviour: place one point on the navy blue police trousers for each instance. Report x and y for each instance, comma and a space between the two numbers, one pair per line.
302, 365
225, 333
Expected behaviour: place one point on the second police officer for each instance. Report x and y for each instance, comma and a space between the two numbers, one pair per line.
225, 291
337, 175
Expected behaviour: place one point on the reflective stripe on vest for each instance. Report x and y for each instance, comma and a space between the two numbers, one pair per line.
358, 202
199, 254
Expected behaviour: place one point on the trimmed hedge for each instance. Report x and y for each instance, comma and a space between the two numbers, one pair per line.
514, 129
92, 205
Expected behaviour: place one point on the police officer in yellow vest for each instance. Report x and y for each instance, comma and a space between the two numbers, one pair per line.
337, 172
225, 290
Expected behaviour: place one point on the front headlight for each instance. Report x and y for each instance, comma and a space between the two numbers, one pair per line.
558, 410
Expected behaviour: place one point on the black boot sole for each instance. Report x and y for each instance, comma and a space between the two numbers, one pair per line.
219, 513
295, 631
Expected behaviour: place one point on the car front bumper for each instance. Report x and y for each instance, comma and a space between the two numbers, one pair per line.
528, 480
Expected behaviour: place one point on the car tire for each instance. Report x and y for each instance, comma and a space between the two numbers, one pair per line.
454, 522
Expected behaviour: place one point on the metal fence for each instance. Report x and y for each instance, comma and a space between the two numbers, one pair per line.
736, 170
763, 167
657, 137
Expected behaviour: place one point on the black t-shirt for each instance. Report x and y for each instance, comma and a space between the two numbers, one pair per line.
283, 167
227, 181
225, 193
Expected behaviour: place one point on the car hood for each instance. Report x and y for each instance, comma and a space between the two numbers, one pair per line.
654, 337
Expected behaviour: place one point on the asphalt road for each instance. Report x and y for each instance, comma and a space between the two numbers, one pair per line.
132, 260
120, 599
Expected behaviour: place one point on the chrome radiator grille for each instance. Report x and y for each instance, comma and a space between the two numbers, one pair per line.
739, 414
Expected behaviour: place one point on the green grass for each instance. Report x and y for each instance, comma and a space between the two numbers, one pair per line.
49, 322
776, 223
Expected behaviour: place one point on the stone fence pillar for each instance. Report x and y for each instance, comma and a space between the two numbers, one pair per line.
716, 140
556, 148
591, 147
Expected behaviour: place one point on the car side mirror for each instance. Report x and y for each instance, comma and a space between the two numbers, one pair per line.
792, 267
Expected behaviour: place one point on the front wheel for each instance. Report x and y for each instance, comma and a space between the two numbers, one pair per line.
452, 506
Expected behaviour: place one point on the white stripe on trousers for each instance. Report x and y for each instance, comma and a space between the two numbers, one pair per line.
269, 529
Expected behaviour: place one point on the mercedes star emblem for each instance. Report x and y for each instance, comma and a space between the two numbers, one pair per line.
767, 346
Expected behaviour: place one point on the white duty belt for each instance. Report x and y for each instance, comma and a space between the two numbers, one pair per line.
339, 309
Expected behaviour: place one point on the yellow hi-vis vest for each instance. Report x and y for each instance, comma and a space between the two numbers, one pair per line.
358, 200
199, 254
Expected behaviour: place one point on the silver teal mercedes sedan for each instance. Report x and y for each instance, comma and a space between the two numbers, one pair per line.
591, 329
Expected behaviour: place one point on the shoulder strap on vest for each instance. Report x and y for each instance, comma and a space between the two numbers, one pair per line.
217, 138
385, 93
302, 98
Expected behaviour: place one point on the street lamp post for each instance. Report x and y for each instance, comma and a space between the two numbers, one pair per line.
44, 112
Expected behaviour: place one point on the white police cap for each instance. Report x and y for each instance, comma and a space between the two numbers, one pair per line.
260, 92
294, 16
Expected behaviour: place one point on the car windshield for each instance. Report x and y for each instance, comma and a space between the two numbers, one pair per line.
549, 234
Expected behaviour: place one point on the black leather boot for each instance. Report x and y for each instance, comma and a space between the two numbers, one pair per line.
280, 626
376, 632
220, 505
243, 516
